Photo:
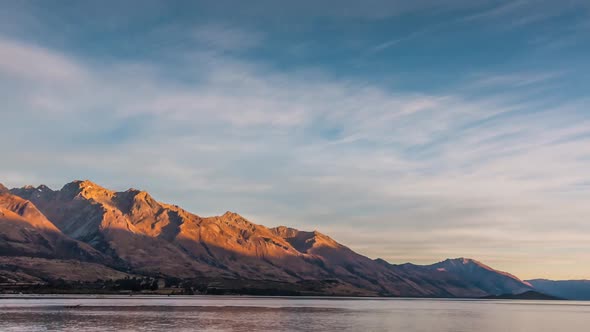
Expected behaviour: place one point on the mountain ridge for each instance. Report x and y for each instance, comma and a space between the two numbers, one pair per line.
136, 233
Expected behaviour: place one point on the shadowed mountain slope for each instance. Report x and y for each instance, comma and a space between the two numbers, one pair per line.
162, 239
492, 281
137, 233
26, 231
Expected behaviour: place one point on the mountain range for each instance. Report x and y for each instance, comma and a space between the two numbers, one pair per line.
85, 232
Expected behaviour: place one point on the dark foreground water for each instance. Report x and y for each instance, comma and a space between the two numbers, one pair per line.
204, 313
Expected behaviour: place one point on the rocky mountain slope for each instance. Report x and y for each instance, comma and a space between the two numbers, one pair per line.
131, 232
26, 231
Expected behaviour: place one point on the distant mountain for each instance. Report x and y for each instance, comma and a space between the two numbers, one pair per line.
463, 277
436, 283
159, 239
567, 289
482, 276
131, 232
528, 295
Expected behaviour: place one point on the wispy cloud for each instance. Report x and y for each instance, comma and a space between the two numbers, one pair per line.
514, 14
227, 38
32, 62
500, 10
396, 41
516, 79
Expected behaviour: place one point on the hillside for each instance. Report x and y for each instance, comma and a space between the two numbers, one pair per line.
132, 232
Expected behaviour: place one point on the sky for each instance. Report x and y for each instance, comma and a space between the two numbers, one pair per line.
406, 130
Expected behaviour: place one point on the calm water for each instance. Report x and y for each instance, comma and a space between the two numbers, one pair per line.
204, 313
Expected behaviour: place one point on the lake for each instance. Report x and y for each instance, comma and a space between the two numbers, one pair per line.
242, 313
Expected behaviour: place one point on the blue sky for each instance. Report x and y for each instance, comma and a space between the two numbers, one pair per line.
411, 131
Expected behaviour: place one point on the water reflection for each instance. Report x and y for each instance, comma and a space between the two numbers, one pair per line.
269, 314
